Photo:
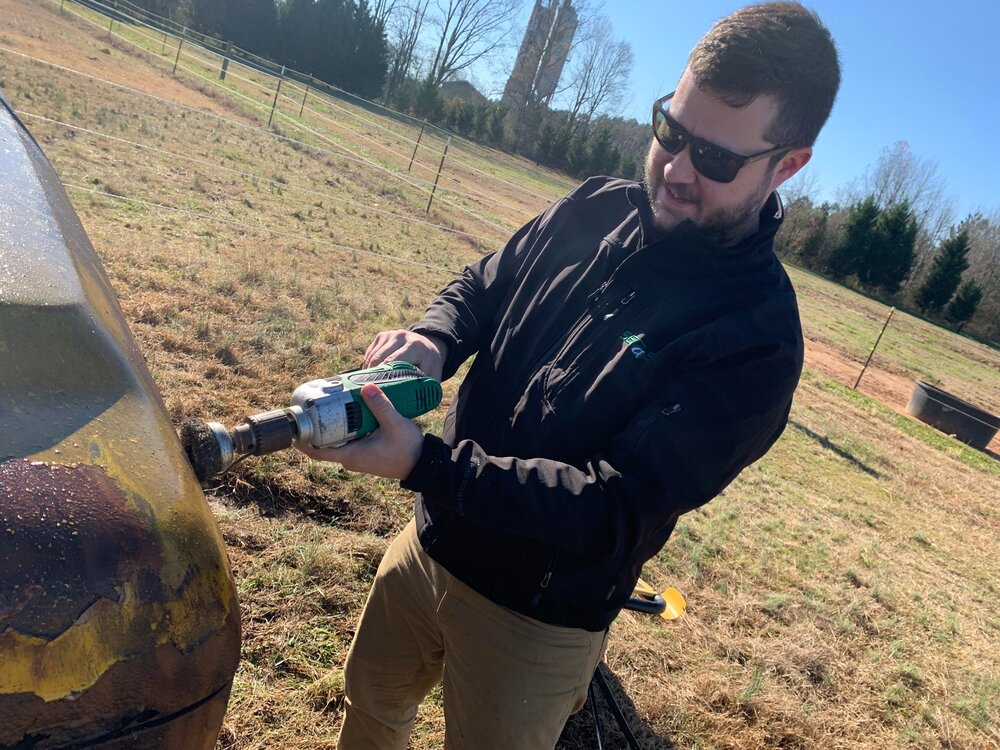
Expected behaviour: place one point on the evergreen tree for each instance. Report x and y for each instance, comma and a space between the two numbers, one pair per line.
338, 41
543, 152
429, 103
963, 307
604, 155
817, 236
946, 272
891, 253
459, 116
559, 151
859, 231
629, 168
497, 116
578, 157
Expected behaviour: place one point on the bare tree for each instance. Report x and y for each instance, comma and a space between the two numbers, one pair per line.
467, 31
381, 11
899, 175
803, 187
405, 25
984, 241
984, 269
598, 75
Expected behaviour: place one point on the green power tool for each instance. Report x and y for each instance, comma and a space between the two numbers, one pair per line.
324, 413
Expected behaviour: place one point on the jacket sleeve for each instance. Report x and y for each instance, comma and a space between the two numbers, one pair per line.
676, 453
464, 314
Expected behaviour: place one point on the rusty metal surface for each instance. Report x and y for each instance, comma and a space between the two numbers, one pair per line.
69, 541
119, 625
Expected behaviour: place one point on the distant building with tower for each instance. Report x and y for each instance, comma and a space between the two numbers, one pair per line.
542, 55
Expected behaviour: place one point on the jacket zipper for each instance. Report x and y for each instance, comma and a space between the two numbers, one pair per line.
547, 578
592, 298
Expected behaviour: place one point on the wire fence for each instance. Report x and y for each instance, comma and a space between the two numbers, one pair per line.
284, 185
342, 152
207, 76
222, 53
261, 228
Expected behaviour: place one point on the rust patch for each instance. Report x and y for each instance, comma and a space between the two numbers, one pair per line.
70, 537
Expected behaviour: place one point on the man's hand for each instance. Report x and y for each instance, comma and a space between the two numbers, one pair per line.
427, 354
391, 451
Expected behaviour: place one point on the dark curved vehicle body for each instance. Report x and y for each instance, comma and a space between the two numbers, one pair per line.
119, 623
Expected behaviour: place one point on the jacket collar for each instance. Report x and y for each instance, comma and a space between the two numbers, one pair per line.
771, 217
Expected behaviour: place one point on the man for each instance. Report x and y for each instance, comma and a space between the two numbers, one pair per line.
636, 347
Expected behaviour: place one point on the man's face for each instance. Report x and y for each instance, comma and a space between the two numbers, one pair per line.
727, 211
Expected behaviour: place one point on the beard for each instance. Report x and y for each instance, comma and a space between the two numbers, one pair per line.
727, 225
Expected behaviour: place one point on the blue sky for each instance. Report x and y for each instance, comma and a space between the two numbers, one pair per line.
920, 71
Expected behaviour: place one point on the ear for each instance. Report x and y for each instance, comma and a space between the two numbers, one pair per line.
791, 163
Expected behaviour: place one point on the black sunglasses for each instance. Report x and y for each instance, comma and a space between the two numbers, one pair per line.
714, 162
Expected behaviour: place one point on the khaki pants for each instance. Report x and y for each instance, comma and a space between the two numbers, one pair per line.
510, 682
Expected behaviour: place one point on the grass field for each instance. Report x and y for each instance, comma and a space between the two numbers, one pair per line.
842, 592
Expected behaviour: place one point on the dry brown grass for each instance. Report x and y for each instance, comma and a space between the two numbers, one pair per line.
841, 593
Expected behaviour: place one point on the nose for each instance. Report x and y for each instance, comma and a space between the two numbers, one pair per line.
678, 167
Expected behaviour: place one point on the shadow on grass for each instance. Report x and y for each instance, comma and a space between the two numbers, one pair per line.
824, 441
274, 501
581, 734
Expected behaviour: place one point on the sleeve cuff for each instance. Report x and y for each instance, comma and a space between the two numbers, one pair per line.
429, 469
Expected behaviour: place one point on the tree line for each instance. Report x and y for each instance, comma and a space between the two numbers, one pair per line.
401, 52
894, 236
341, 42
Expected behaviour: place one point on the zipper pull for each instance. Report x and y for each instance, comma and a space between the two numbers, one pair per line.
621, 303
596, 295
545, 581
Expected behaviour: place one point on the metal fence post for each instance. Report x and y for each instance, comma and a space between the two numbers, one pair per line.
180, 43
417, 145
856, 382
276, 92
434, 189
225, 62
111, 20
303, 107
163, 47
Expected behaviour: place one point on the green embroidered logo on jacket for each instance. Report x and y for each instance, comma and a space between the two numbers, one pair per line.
637, 346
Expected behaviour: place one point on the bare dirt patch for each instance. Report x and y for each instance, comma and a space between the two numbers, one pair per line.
889, 388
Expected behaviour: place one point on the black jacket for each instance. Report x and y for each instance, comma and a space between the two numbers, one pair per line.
622, 377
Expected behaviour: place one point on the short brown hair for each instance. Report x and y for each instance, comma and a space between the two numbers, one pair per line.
780, 49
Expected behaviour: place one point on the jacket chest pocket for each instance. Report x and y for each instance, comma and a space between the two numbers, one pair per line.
604, 367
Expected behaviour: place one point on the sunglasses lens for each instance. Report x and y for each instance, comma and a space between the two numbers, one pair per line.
714, 163
671, 140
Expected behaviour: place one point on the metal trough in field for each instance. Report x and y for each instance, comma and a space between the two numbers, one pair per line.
119, 624
953, 415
